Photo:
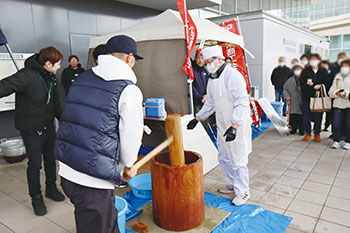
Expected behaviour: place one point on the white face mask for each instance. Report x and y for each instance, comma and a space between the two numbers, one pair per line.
314, 63
304, 62
344, 70
297, 72
281, 64
211, 67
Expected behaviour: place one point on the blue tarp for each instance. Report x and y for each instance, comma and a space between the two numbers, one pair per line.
243, 219
2, 38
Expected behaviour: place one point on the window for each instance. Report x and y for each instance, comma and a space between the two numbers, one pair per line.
228, 6
347, 3
339, 3
333, 54
346, 41
328, 13
266, 5
254, 5
242, 6
347, 10
329, 5
318, 6
339, 11
335, 42
273, 4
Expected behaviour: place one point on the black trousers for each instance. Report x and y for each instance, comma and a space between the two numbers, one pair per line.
296, 122
94, 208
38, 143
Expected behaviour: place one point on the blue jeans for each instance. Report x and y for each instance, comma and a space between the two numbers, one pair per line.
338, 117
317, 116
279, 97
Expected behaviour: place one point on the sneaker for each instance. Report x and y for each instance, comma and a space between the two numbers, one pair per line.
241, 199
346, 146
54, 194
123, 184
39, 205
227, 189
335, 145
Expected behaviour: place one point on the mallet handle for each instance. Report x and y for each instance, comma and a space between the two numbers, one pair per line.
154, 152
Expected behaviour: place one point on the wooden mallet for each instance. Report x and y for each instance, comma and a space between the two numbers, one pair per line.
174, 141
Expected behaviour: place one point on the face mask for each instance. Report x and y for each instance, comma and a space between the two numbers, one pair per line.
297, 72
281, 64
211, 67
304, 62
314, 63
344, 70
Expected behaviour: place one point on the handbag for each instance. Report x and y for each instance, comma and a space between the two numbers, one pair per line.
321, 102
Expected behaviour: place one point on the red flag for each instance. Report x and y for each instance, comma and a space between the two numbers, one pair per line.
190, 36
236, 53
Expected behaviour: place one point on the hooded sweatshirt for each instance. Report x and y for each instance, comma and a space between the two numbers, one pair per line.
130, 125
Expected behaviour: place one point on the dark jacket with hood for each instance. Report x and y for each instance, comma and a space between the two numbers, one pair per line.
279, 77
32, 110
320, 77
68, 76
200, 83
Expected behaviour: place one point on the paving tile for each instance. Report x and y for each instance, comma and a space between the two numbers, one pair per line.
276, 200
260, 185
305, 208
268, 176
296, 173
284, 190
290, 181
316, 187
66, 221
272, 208
338, 203
256, 195
342, 182
309, 196
48, 227
340, 192
4, 229
336, 216
292, 230
27, 223
321, 178
343, 174
328, 227
301, 222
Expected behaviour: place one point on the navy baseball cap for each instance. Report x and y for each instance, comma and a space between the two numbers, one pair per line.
122, 44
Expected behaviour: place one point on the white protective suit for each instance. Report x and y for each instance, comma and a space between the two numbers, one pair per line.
228, 98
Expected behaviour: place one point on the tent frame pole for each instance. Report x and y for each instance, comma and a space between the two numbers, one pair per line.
11, 55
244, 53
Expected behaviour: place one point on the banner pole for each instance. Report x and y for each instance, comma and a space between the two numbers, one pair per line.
245, 57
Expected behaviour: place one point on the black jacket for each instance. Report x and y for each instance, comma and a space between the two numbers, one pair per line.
335, 69
321, 77
32, 111
200, 83
68, 76
279, 77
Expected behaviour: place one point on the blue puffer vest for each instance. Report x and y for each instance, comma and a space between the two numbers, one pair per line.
88, 138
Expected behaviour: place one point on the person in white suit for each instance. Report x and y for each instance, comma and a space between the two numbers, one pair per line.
228, 98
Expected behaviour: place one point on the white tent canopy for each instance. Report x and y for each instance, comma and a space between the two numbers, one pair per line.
168, 25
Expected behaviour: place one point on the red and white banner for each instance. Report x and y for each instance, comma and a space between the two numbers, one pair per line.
190, 35
236, 53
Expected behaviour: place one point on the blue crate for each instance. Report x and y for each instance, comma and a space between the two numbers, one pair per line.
155, 107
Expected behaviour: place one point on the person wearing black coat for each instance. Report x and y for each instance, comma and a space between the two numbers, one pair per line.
279, 77
37, 104
199, 85
71, 72
311, 80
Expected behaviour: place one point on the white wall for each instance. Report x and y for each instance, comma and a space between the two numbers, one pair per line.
282, 40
